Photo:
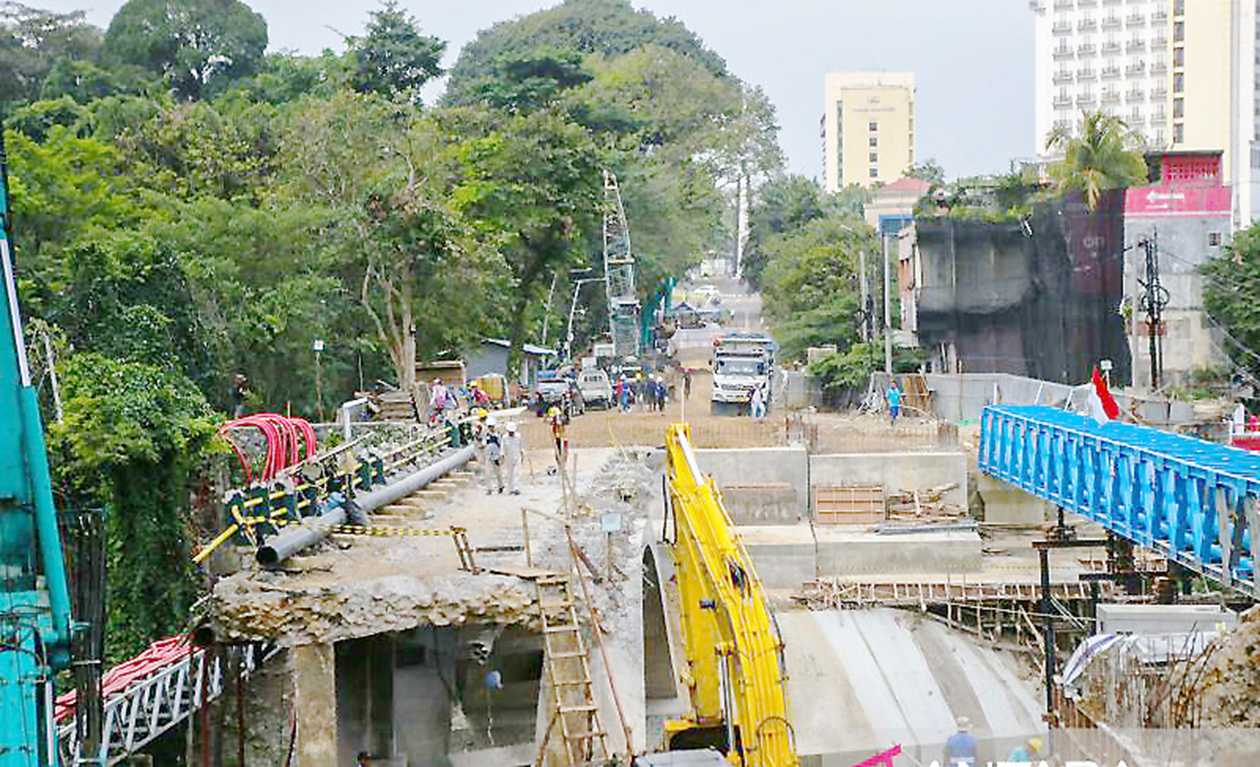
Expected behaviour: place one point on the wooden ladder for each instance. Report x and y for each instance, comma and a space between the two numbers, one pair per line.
569, 670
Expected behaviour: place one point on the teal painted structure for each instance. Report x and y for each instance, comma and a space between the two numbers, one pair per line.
34, 599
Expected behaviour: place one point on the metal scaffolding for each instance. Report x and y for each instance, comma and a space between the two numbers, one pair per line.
623, 301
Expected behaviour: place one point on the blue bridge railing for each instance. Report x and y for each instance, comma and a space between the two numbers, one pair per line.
1194, 502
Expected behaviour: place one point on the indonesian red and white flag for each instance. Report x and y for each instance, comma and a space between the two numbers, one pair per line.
1102, 406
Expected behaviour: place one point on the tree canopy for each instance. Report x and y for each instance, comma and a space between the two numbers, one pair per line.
608, 27
189, 208
192, 43
393, 57
1102, 155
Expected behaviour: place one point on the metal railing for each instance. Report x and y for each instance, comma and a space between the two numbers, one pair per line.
150, 706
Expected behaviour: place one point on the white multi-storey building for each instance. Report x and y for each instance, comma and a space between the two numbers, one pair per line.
1182, 73
1103, 54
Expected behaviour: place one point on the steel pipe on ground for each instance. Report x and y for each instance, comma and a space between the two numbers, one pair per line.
296, 538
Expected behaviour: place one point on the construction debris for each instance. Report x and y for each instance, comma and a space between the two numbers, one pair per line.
1231, 684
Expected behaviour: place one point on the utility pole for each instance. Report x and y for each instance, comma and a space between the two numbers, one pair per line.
318, 348
888, 368
1153, 300
866, 296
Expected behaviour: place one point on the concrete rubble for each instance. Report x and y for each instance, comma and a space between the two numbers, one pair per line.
1231, 685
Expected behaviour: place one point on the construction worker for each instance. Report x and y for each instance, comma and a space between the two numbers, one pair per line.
240, 392
1029, 751
494, 460
479, 443
893, 395
557, 432
686, 383
757, 403
437, 398
960, 749
512, 453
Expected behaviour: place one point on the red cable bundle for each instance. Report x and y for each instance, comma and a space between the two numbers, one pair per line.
282, 434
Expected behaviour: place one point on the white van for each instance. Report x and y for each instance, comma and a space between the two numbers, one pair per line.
594, 386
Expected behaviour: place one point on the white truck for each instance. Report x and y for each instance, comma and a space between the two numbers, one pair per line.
741, 362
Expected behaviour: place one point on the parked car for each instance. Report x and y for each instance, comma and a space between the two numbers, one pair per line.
593, 384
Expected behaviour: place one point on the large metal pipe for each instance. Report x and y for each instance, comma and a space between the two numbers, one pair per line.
294, 539
365, 504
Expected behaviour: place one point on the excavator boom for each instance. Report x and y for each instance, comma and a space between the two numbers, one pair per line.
734, 651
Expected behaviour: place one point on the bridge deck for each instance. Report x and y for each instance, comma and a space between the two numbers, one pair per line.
1194, 502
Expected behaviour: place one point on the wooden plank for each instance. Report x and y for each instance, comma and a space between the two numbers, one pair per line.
848, 504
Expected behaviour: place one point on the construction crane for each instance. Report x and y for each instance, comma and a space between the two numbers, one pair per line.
35, 623
623, 301
734, 651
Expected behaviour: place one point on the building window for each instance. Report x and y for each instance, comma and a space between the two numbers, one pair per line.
874, 172
873, 141
874, 157
1179, 7
1179, 31
874, 126
1179, 82
1179, 107
1179, 133
1179, 57
1214, 239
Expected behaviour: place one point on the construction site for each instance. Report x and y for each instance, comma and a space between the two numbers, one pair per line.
905, 583
349, 430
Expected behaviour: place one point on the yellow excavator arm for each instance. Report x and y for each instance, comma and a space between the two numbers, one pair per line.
734, 651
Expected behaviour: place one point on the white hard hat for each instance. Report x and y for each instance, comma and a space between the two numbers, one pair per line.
511, 427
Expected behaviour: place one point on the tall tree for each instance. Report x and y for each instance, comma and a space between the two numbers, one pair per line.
609, 27
33, 42
394, 58
536, 181
194, 43
1102, 155
810, 283
387, 177
524, 82
929, 170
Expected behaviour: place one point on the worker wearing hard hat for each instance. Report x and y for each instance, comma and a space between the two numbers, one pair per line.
493, 452
557, 431
512, 453
1029, 751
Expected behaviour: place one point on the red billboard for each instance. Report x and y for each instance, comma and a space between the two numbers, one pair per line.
1177, 200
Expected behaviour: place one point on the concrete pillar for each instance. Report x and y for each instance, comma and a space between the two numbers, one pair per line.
315, 703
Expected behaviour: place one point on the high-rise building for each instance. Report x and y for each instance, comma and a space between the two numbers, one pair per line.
1182, 73
867, 127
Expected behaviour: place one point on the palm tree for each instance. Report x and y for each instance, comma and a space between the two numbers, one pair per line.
1102, 157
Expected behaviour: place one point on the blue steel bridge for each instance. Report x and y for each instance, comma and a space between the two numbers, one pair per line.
1194, 502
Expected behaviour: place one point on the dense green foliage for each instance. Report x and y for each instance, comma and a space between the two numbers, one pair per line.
607, 27
189, 208
1231, 284
194, 44
810, 282
852, 368
1103, 155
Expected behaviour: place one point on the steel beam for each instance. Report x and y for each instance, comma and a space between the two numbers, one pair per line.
1191, 501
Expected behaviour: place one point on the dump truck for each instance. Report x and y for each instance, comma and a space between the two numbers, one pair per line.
741, 362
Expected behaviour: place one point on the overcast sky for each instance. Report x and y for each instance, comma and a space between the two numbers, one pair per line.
972, 59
